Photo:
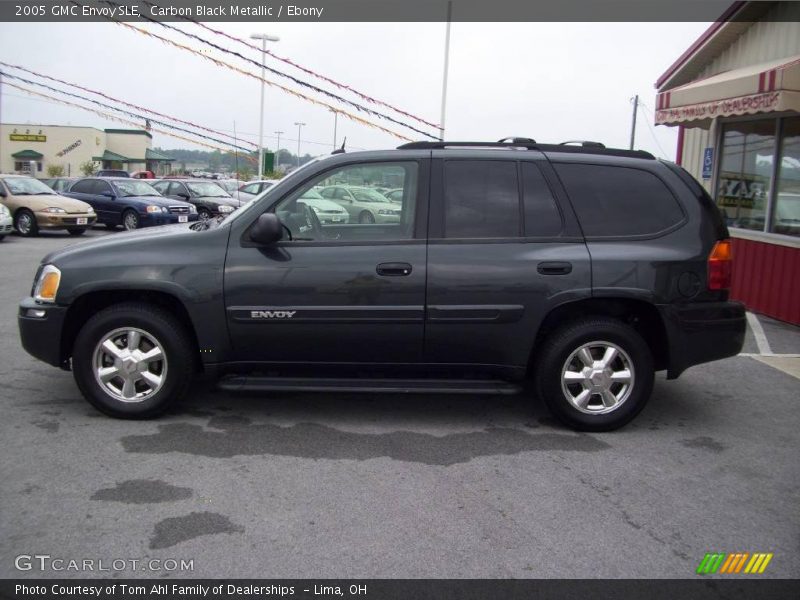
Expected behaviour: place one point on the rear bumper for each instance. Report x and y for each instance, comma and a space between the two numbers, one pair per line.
702, 332
41, 335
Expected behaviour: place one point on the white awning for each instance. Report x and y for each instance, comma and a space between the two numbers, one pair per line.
764, 88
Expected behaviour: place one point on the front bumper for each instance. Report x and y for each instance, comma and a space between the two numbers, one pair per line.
6, 225
40, 330
153, 219
64, 221
702, 332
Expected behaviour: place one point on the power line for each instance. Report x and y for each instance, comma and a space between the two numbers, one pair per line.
107, 97
119, 110
302, 68
650, 128
292, 78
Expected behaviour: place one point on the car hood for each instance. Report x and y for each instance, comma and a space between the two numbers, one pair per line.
219, 200
108, 243
42, 201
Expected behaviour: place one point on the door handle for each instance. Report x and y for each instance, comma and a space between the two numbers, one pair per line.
393, 269
554, 268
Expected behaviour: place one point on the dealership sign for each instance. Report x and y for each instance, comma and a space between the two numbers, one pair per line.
27, 137
743, 105
69, 148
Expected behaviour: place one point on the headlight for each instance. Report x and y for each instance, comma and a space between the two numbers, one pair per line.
164, 209
55, 209
192, 209
90, 210
224, 208
47, 285
153, 209
315, 209
4, 211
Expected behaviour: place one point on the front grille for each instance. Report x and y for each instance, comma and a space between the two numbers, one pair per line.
179, 210
5, 228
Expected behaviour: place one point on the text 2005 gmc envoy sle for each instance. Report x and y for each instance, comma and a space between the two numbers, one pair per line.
582, 268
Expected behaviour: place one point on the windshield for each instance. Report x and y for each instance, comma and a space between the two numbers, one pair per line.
229, 185
208, 190
135, 188
368, 196
26, 186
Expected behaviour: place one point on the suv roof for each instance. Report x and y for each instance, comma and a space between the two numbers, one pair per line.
517, 143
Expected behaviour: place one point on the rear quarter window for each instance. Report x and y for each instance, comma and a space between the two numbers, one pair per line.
613, 201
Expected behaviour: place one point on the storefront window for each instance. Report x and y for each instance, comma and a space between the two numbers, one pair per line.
748, 148
786, 218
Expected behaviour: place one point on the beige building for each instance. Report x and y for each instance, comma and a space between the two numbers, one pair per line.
734, 96
32, 148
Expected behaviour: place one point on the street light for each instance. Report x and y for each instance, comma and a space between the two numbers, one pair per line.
335, 120
299, 127
264, 39
278, 151
446, 67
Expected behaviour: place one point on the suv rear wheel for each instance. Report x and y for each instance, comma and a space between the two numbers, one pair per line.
595, 374
132, 360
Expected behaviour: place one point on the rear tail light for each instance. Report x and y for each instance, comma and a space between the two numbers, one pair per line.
720, 263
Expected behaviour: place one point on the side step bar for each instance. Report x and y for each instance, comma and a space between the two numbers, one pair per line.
388, 386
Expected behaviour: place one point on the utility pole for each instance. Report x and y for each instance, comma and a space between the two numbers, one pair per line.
446, 68
264, 39
278, 151
633, 122
299, 126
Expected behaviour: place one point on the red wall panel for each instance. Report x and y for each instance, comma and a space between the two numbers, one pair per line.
766, 277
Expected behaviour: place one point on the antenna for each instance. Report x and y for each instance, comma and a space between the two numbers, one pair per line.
340, 150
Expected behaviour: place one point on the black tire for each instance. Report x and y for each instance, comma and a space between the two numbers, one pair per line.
25, 223
130, 220
155, 322
563, 342
366, 217
203, 214
76, 231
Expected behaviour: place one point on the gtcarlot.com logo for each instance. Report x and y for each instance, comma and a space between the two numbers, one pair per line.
737, 562
46, 562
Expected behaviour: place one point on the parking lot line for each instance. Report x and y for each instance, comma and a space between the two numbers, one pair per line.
758, 332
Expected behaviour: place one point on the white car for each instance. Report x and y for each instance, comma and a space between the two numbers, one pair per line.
328, 212
363, 204
6, 222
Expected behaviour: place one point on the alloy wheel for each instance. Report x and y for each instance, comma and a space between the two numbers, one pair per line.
130, 364
597, 378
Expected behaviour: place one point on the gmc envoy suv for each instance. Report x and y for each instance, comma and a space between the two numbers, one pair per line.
579, 268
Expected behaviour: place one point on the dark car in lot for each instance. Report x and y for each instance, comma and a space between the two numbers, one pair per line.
131, 203
59, 184
580, 268
208, 197
112, 173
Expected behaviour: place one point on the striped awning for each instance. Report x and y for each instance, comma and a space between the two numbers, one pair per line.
764, 88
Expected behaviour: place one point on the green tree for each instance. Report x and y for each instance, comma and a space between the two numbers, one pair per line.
88, 168
55, 170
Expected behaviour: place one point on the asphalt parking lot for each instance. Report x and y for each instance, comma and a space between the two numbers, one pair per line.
385, 486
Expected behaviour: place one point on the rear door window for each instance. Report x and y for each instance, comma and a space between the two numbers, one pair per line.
619, 201
481, 199
83, 187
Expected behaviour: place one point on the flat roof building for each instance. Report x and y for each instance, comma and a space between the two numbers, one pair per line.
31, 149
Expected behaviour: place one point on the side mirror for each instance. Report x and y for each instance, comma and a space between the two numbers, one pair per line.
267, 229
108, 195
183, 195
2, 193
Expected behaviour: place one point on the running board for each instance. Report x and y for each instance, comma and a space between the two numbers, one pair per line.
246, 383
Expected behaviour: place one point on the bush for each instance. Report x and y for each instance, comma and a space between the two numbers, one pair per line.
55, 170
88, 168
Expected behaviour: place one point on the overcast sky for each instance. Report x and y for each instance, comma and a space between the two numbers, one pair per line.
549, 81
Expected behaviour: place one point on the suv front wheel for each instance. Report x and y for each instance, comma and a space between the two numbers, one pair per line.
133, 360
595, 374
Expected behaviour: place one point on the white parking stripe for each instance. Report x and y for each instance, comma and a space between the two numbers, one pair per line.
758, 332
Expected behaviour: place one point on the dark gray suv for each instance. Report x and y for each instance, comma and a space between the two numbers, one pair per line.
580, 268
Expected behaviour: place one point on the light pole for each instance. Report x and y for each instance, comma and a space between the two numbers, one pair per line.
278, 151
299, 127
335, 121
446, 68
264, 39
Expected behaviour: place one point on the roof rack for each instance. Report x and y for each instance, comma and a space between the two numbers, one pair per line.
585, 147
